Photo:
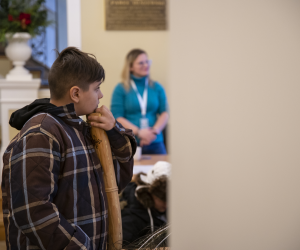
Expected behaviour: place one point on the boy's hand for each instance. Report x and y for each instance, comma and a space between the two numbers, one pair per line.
106, 121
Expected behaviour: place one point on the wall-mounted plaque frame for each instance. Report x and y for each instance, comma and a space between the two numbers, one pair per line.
135, 14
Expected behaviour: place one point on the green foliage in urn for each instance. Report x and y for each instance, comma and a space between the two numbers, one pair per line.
22, 16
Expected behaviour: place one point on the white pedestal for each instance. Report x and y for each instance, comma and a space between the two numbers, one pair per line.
14, 95
13, 77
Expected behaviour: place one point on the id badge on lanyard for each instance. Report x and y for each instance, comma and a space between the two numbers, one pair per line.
144, 122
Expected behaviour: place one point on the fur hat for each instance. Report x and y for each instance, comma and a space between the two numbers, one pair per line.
155, 182
159, 169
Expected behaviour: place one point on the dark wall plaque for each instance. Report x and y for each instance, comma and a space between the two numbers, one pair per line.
135, 14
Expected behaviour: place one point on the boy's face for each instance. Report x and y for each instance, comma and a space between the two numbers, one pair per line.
89, 100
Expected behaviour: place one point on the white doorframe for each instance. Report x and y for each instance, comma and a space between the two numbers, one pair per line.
74, 23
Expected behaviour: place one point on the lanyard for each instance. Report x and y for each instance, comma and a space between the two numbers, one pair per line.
142, 100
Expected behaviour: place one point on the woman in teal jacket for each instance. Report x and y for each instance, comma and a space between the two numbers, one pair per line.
141, 104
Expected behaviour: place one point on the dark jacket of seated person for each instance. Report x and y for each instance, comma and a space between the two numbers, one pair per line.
143, 203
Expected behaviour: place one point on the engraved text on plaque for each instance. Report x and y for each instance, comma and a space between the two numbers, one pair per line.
135, 14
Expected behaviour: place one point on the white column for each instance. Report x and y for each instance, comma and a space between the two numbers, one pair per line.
74, 23
14, 95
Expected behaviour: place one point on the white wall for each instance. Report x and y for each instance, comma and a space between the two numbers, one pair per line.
235, 124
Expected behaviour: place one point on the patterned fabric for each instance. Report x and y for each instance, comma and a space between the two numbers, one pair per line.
52, 183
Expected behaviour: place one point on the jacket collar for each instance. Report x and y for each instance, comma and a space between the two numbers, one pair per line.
68, 114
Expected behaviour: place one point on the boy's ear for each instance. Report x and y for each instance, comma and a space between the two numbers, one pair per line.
74, 94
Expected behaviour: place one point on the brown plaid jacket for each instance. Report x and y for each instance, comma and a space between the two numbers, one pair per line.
52, 183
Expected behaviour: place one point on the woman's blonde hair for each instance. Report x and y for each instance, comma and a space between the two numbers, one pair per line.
130, 58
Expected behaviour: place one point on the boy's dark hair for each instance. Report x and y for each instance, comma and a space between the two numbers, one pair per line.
71, 68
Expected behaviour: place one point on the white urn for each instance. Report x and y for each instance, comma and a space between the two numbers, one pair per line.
18, 51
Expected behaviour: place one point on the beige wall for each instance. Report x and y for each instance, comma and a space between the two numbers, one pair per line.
111, 47
236, 167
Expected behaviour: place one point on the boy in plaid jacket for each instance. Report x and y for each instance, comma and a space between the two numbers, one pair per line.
52, 182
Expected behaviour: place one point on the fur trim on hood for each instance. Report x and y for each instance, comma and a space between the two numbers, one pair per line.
144, 191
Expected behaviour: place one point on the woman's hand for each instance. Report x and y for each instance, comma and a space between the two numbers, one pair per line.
146, 135
106, 121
